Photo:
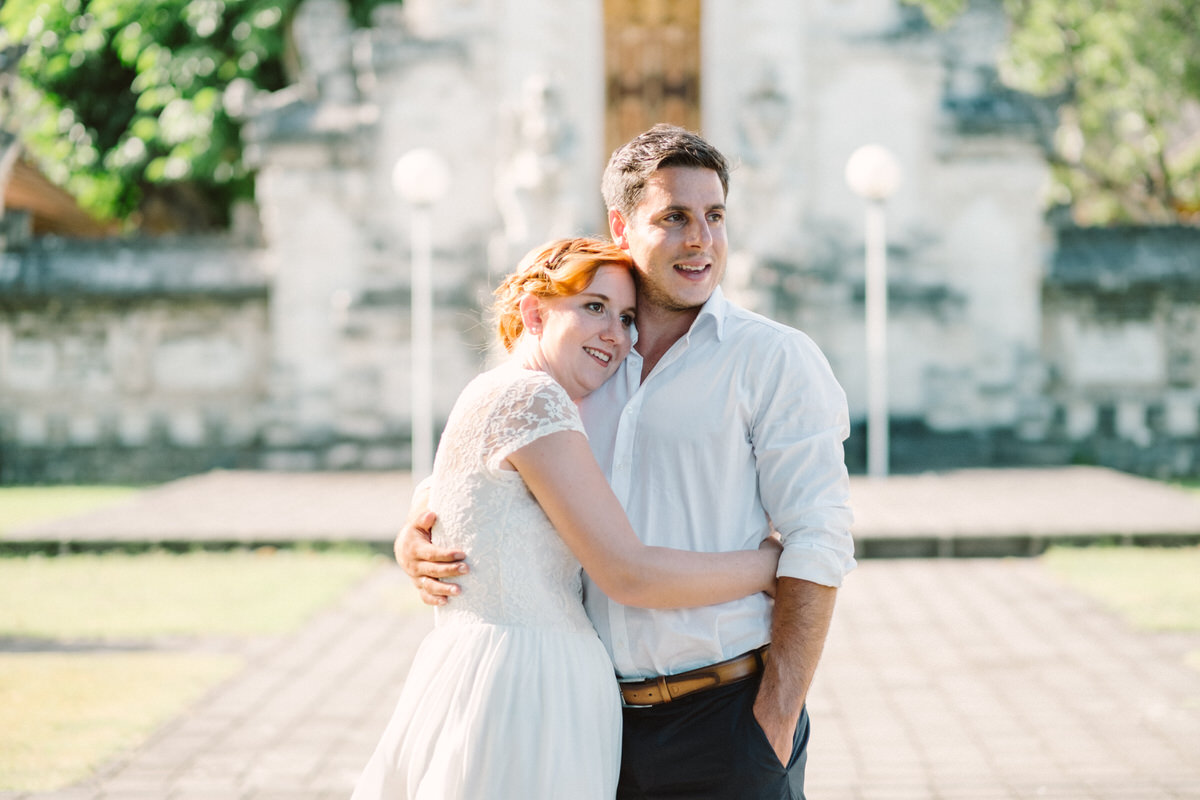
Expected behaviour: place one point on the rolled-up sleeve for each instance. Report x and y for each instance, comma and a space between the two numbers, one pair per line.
797, 434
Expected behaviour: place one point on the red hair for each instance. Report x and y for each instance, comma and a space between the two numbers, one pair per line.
561, 268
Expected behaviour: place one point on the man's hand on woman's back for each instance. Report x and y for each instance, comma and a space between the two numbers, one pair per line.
423, 561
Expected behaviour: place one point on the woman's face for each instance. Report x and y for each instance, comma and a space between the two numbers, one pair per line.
584, 337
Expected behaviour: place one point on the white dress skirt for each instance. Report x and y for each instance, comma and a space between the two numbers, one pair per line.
512, 695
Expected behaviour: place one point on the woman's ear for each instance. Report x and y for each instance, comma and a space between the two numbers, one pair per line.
531, 314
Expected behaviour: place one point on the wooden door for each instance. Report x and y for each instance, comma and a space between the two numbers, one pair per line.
652, 66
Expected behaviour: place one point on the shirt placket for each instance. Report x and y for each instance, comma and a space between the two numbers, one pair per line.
622, 484
621, 479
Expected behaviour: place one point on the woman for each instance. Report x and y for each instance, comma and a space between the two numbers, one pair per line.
514, 693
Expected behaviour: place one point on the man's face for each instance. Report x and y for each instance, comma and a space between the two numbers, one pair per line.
676, 236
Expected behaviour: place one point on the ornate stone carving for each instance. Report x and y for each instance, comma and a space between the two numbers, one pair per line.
530, 189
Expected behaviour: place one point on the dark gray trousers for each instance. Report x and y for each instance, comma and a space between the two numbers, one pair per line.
708, 745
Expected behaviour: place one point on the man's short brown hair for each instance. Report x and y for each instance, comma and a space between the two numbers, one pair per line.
664, 145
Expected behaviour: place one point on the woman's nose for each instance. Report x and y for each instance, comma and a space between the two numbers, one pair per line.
614, 330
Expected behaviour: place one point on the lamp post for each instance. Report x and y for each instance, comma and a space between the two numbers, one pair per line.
873, 173
420, 178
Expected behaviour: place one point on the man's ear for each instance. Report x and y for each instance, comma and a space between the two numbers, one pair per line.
616, 229
531, 313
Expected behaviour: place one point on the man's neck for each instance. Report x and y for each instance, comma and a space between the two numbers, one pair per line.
658, 329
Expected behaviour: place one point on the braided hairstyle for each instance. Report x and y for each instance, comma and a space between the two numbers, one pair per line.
561, 268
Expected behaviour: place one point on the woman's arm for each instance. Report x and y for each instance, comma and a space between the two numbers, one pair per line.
563, 476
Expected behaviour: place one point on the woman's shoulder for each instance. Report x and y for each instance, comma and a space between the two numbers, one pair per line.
510, 407
511, 385
511, 377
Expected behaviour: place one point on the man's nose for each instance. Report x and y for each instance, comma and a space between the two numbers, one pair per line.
699, 233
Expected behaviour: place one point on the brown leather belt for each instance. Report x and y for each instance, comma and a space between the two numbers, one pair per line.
665, 688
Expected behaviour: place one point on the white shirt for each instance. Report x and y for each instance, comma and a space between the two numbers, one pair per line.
741, 420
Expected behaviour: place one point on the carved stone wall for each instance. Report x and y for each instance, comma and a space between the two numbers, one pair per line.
130, 363
1122, 348
797, 89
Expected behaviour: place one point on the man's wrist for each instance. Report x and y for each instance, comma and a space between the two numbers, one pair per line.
776, 700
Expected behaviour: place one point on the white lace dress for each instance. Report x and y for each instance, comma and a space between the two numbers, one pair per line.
512, 695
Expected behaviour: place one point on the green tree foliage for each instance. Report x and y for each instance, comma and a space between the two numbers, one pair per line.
119, 99
1127, 75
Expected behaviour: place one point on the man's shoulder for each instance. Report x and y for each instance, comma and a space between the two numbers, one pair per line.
744, 327
774, 351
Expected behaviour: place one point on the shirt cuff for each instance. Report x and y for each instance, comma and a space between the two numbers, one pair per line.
815, 563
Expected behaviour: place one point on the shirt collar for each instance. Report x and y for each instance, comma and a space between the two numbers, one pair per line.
715, 307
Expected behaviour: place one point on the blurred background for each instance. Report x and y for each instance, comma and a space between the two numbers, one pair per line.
207, 255
252, 239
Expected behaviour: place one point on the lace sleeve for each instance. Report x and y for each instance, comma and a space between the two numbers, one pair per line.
526, 411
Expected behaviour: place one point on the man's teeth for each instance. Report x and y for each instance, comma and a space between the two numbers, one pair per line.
600, 354
691, 268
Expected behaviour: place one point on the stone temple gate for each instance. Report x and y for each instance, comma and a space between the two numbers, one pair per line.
525, 100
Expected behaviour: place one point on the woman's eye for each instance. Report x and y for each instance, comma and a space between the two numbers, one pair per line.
595, 306
627, 320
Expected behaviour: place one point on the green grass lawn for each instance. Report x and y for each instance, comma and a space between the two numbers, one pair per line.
1191, 484
21, 505
64, 712
1154, 589
121, 596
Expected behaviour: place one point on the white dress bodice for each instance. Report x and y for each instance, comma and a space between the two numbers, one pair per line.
522, 573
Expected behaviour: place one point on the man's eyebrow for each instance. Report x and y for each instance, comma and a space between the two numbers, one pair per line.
713, 207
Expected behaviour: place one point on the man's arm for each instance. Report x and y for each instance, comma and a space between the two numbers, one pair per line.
798, 628
424, 562
805, 489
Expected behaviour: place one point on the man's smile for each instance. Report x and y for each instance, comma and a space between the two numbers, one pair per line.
692, 269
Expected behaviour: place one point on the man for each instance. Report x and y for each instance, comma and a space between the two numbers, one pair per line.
719, 426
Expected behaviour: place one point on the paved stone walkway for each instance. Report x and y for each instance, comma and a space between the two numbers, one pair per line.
985, 678
965, 513
954, 679
244, 506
